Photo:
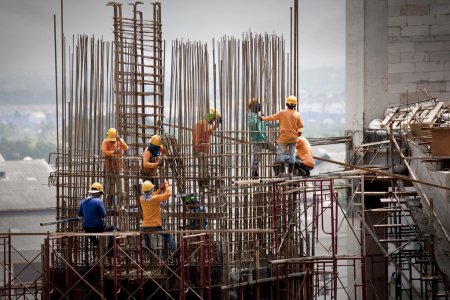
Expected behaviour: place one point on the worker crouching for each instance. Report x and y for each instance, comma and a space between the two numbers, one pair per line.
192, 204
93, 212
304, 160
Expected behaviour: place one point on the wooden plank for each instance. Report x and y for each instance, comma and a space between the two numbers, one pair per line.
432, 115
409, 116
389, 116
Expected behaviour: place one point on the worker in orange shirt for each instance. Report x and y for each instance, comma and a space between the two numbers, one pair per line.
151, 212
304, 160
152, 159
112, 151
290, 123
202, 143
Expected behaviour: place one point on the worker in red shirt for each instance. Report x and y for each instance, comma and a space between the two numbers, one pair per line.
202, 143
304, 160
112, 151
290, 123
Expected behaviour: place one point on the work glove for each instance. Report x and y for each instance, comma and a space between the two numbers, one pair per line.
162, 187
160, 161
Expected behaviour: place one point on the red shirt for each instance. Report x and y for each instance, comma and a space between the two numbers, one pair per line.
113, 162
202, 136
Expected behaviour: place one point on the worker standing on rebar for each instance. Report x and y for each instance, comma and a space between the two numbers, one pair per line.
304, 160
93, 212
202, 143
112, 151
258, 135
290, 122
151, 211
152, 159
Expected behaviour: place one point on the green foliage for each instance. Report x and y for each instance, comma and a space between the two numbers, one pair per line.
18, 149
17, 143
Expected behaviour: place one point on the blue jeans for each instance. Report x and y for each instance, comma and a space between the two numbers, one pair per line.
282, 149
167, 237
257, 149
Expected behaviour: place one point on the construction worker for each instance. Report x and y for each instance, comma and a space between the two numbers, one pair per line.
304, 160
192, 204
152, 159
202, 142
290, 122
112, 151
151, 211
258, 134
93, 212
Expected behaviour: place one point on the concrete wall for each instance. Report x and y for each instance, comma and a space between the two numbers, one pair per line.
440, 199
394, 49
418, 49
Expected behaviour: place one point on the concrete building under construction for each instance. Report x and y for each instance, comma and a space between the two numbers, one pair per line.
376, 229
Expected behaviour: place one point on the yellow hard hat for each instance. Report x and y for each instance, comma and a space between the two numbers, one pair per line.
96, 187
291, 100
215, 112
252, 101
147, 186
112, 134
156, 140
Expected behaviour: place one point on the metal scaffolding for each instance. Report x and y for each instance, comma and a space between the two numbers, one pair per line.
267, 238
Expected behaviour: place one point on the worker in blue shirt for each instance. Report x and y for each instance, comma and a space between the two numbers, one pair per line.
191, 203
258, 135
93, 212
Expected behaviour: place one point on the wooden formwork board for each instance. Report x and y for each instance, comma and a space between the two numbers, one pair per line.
422, 114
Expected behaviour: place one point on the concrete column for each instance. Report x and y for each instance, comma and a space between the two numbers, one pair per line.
366, 63
354, 56
366, 99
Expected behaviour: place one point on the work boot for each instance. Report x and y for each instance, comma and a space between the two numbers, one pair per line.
301, 172
291, 170
281, 170
276, 170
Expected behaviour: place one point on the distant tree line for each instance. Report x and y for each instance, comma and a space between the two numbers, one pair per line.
19, 149
17, 143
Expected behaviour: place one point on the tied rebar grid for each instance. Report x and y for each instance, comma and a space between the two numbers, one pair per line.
117, 85
124, 88
253, 67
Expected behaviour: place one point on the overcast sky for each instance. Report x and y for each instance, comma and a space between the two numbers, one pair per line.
26, 30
